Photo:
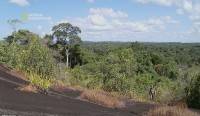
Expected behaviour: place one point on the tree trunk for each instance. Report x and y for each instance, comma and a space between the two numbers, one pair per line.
67, 56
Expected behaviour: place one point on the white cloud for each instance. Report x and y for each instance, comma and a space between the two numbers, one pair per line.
159, 2
20, 2
37, 17
97, 19
187, 5
99, 25
109, 12
189, 8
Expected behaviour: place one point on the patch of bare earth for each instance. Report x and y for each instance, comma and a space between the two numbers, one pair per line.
28, 88
102, 98
171, 111
13, 72
5, 68
18, 74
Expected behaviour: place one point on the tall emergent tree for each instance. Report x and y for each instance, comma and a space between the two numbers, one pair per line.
65, 37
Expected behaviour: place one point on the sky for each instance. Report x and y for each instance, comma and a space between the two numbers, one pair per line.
108, 20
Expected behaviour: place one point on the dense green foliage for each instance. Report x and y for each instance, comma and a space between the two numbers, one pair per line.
24, 51
133, 68
193, 97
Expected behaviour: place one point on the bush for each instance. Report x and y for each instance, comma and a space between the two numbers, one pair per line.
24, 51
29, 57
193, 93
40, 81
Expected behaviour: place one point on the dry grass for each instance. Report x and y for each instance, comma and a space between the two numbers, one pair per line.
28, 88
171, 111
61, 87
95, 96
102, 98
58, 84
179, 103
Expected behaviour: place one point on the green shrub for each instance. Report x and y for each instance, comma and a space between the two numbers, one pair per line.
29, 57
193, 95
25, 52
38, 80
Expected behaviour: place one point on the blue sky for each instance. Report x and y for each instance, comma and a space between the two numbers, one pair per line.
108, 20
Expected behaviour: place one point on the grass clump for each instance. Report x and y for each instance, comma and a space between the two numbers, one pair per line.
102, 98
40, 81
170, 111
